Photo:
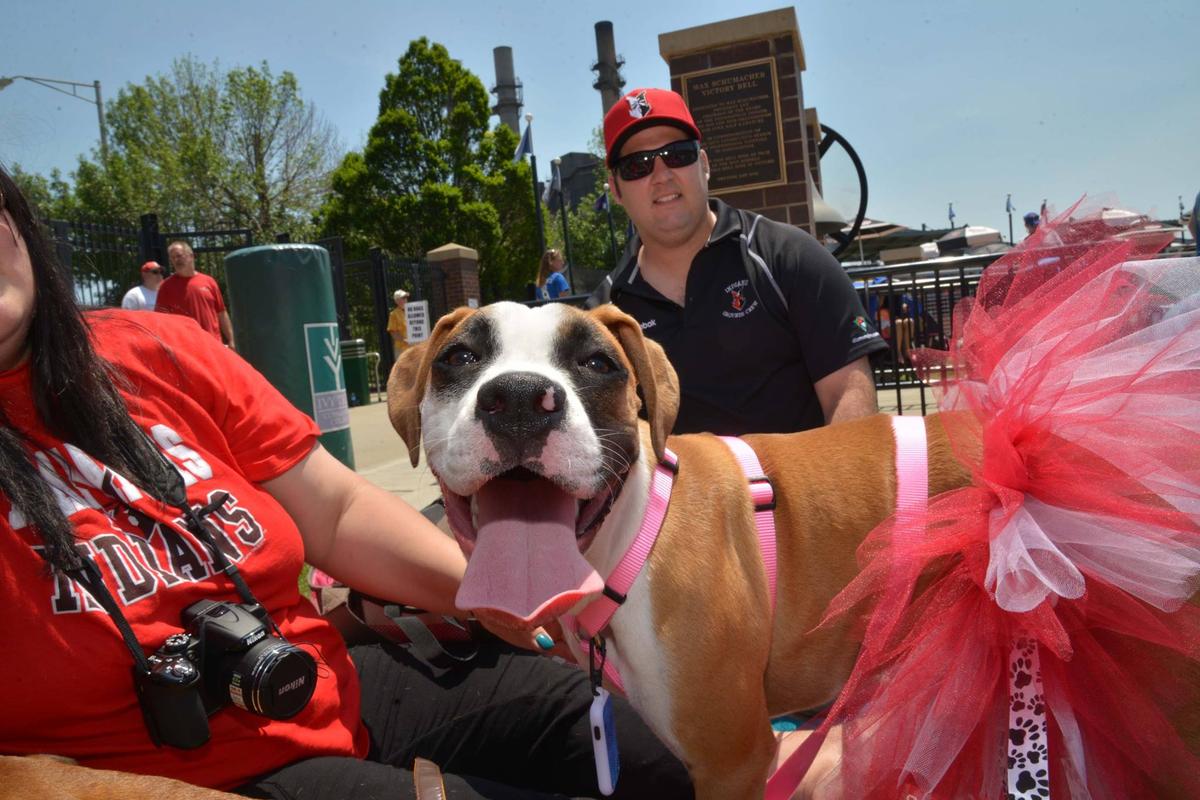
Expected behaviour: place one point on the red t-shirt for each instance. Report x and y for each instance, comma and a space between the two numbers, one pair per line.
66, 684
198, 297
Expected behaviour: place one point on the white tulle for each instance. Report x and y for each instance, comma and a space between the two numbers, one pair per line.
1043, 550
1024, 565
1097, 400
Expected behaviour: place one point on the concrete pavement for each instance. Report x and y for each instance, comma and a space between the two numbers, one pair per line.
381, 457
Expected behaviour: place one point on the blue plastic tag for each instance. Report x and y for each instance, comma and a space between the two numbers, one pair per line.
604, 742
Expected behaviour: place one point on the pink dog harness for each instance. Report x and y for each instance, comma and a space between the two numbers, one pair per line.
912, 495
597, 614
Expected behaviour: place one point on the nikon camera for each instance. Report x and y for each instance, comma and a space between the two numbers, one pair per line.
227, 654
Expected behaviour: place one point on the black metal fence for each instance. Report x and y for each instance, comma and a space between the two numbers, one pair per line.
913, 305
105, 260
363, 292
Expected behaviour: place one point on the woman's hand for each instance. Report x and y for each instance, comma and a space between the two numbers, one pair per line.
547, 639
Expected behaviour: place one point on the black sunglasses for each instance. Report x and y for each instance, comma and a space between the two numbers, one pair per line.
675, 155
155, 271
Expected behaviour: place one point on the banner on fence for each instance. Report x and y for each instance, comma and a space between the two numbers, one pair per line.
417, 314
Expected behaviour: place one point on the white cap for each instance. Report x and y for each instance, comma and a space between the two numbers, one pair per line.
399, 294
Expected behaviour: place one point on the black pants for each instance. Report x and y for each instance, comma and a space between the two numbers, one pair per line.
507, 719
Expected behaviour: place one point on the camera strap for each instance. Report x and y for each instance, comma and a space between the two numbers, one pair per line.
193, 520
88, 575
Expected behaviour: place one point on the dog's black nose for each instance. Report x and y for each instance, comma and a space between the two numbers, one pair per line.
518, 409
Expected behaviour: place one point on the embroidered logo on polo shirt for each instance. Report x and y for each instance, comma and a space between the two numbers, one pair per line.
861, 322
739, 303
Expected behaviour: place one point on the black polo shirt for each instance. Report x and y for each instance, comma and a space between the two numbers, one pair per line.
745, 365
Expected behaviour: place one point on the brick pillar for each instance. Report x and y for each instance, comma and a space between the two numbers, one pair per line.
709, 65
460, 270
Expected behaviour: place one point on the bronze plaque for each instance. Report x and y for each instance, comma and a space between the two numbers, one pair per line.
736, 109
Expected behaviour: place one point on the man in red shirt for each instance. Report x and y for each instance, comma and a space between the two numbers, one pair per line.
194, 294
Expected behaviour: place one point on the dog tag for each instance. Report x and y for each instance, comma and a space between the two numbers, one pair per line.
604, 742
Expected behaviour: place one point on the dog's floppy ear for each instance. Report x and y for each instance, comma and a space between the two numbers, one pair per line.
656, 376
410, 375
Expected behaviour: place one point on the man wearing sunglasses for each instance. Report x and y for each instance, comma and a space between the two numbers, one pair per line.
142, 298
761, 323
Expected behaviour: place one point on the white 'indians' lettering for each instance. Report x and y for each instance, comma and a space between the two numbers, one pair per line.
137, 553
100, 477
193, 465
69, 500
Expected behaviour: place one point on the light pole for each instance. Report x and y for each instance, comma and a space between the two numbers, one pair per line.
51, 83
612, 235
562, 208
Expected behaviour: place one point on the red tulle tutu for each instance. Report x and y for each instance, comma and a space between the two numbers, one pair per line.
1048, 604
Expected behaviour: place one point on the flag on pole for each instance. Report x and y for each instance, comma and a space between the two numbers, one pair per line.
951, 214
1042, 212
601, 203
525, 147
1008, 206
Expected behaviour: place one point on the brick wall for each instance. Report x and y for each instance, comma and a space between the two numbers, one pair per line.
460, 273
791, 202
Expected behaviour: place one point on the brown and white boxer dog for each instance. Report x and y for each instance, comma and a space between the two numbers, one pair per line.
530, 422
48, 777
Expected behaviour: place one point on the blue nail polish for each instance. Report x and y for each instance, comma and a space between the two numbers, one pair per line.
544, 641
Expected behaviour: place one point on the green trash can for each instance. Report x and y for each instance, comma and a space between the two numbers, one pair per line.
354, 367
281, 302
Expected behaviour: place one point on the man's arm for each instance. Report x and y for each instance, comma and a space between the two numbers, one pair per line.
226, 328
848, 393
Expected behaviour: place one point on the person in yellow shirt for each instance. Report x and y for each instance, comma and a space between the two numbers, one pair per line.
398, 324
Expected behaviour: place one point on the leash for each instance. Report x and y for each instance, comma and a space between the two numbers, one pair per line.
912, 497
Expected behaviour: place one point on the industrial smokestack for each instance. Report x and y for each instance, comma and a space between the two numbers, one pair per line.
607, 67
508, 90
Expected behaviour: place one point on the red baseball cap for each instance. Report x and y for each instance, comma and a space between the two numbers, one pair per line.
643, 108
149, 265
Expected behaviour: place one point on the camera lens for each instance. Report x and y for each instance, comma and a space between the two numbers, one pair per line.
273, 678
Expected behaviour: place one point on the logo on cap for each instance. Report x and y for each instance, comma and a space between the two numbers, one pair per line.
639, 106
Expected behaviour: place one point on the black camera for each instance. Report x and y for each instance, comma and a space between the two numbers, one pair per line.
228, 654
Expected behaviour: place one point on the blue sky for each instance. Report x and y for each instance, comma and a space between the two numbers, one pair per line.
944, 101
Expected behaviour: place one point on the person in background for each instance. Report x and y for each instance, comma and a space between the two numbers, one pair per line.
142, 298
761, 323
551, 282
193, 294
160, 471
1031, 222
398, 323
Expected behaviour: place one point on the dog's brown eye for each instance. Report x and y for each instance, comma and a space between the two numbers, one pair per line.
598, 362
459, 356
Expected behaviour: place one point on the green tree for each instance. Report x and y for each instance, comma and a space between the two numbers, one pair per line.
588, 226
432, 173
202, 147
51, 196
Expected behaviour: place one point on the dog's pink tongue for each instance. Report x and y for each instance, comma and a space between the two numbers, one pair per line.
526, 564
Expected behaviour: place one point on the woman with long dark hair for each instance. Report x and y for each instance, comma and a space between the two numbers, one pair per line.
157, 501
